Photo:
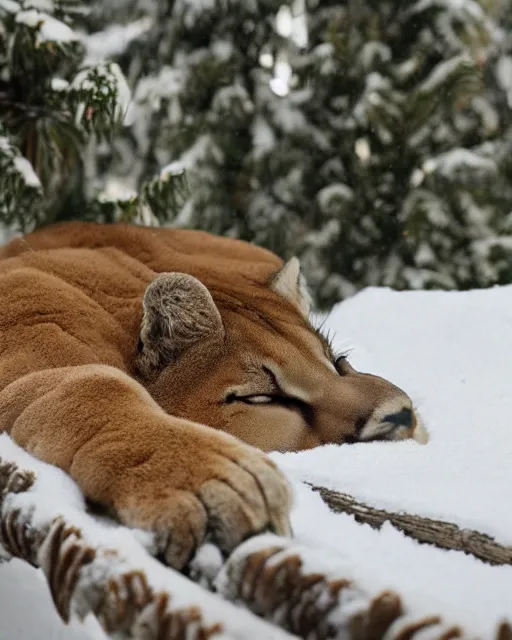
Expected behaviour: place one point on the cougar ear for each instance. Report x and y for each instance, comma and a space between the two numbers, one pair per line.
177, 312
291, 285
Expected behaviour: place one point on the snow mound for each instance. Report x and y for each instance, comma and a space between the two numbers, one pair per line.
451, 352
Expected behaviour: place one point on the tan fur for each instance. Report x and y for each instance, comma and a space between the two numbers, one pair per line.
118, 343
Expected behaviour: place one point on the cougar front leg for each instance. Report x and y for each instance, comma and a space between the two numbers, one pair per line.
179, 479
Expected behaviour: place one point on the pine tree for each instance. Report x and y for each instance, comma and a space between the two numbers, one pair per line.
198, 107
49, 106
370, 138
60, 109
399, 172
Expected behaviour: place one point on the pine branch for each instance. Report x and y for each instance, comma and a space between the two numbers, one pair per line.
20, 187
445, 535
295, 588
84, 577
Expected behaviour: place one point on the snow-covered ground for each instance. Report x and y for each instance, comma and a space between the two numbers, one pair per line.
452, 352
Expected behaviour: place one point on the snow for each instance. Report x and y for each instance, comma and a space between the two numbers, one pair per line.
59, 84
9, 5
50, 29
451, 352
463, 160
116, 190
152, 89
331, 197
25, 169
288, 119
372, 52
488, 114
442, 72
24, 588
55, 495
504, 76
114, 40
109, 72
222, 49
291, 23
280, 83
263, 137
457, 8
284, 21
232, 98
172, 169
41, 5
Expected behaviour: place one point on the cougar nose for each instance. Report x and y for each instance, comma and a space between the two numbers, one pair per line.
394, 425
402, 418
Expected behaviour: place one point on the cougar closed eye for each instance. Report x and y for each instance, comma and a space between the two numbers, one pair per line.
255, 399
275, 400
261, 399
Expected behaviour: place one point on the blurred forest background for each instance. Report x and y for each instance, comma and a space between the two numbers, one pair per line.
372, 138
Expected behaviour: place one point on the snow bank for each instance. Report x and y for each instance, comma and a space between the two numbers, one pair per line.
451, 351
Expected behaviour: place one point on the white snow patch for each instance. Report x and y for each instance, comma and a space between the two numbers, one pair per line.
459, 160
284, 21
461, 9
50, 29
41, 5
442, 72
59, 84
504, 76
222, 49
334, 196
152, 89
25, 168
112, 71
172, 169
280, 83
10, 6
27, 611
451, 352
263, 138
114, 40
116, 189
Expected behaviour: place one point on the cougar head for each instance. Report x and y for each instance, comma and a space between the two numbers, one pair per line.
242, 357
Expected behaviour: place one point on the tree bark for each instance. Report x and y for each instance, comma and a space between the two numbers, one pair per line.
445, 535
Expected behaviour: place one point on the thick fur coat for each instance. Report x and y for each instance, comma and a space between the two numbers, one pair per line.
155, 366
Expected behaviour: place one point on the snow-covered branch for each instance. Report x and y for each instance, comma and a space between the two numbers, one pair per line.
92, 566
270, 587
445, 535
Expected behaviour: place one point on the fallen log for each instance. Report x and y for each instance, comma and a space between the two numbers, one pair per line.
445, 535
270, 587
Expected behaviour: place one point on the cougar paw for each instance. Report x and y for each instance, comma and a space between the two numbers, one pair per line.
225, 499
178, 520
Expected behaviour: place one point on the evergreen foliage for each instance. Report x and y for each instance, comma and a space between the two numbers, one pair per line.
371, 138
